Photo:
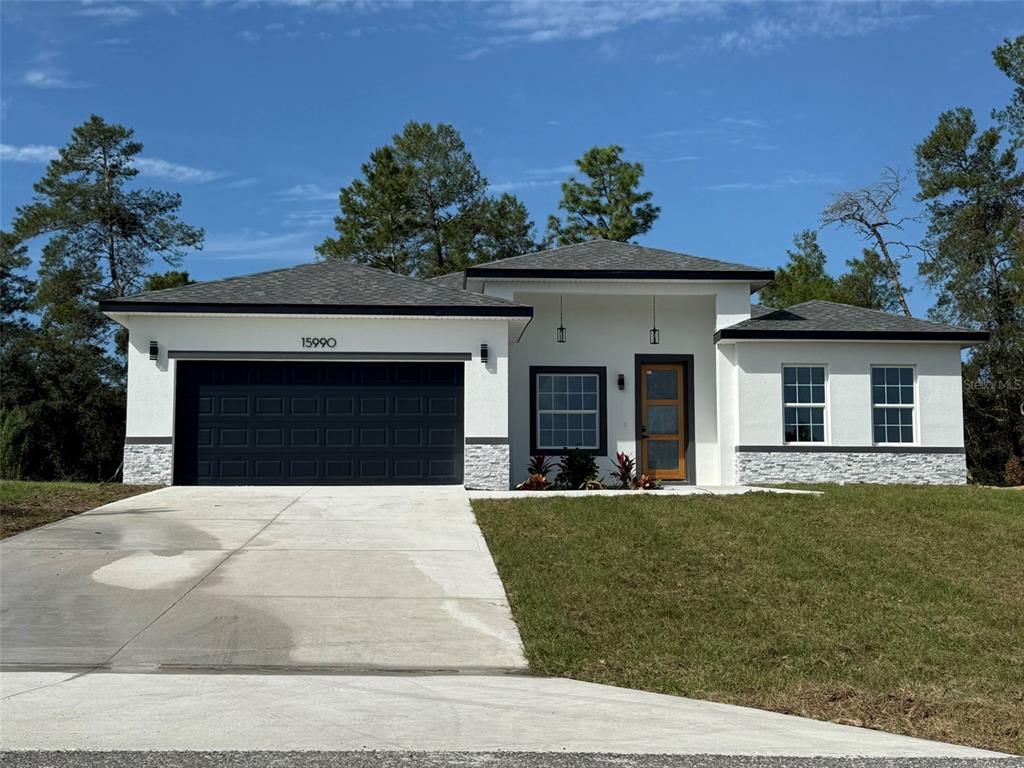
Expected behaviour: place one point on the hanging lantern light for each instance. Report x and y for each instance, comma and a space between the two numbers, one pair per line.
655, 333
560, 335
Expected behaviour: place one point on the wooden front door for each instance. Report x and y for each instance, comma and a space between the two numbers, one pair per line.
662, 431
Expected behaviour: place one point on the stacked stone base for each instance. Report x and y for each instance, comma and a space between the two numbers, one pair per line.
148, 464
889, 467
487, 466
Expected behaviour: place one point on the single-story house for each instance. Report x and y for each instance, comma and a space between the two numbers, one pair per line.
336, 373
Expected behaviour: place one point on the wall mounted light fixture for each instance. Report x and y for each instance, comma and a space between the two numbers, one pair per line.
655, 333
560, 334
154, 350
483, 354
622, 382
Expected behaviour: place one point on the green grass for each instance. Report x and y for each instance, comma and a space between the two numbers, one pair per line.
899, 608
25, 504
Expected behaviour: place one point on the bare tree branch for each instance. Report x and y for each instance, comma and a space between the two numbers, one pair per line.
869, 211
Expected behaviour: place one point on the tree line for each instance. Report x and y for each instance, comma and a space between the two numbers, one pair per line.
422, 207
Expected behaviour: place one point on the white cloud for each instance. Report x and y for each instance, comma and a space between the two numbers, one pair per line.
114, 42
790, 179
536, 177
293, 247
51, 78
186, 174
307, 192
30, 153
746, 122
318, 219
112, 14
541, 21
248, 36
152, 167
474, 54
248, 181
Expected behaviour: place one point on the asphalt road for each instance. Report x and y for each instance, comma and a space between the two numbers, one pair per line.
464, 760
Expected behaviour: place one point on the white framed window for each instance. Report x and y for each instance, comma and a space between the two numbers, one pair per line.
568, 409
892, 404
803, 403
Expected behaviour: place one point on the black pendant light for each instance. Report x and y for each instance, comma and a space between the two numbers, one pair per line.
560, 335
655, 333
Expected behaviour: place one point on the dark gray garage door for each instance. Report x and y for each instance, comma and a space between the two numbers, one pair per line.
297, 423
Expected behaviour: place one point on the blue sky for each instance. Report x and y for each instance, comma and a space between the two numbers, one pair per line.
747, 116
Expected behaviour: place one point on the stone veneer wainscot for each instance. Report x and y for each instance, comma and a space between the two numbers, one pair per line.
792, 465
487, 464
148, 463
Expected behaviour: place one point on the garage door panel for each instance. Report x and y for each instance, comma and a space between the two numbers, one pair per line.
339, 406
339, 438
305, 423
442, 406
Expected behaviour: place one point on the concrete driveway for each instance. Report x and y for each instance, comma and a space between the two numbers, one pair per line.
330, 585
276, 578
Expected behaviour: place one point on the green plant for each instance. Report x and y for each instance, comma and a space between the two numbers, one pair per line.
540, 465
645, 483
535, 482
14, 432
625, 468
575, 470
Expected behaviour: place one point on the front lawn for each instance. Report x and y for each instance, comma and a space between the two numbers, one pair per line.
898, 608
25, 504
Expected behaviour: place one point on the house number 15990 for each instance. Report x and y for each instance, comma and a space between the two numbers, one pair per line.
312, 342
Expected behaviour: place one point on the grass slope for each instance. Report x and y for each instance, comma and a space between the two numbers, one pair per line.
898, 608
25, 505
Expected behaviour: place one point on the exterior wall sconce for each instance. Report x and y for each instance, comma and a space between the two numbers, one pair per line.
655, 333
483, 354
560, 334
154, 350
622, 382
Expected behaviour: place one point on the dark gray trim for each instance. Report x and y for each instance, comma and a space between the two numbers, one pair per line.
148, 440
486, 441
602, 399
972, 337
745, 275
115, 305
398, 357
688, 398
791, 448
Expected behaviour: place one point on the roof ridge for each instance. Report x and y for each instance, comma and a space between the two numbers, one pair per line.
433, 287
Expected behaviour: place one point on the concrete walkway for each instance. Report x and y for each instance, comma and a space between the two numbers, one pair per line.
459, 713
262, 578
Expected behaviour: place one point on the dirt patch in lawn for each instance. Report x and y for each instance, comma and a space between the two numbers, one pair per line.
25, 505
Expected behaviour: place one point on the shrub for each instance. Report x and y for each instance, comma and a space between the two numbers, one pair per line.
576, 469
14, 435
625, 469
645, 483
535, 482
1013, 474
540, 465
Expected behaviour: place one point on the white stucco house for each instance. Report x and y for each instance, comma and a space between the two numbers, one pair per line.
334, 373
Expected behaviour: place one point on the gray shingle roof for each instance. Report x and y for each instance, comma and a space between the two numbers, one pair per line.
329, 287
610, 259
451, 280
829, 320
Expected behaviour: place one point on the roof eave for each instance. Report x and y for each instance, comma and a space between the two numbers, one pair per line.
748, 275
964, 338
432, 310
